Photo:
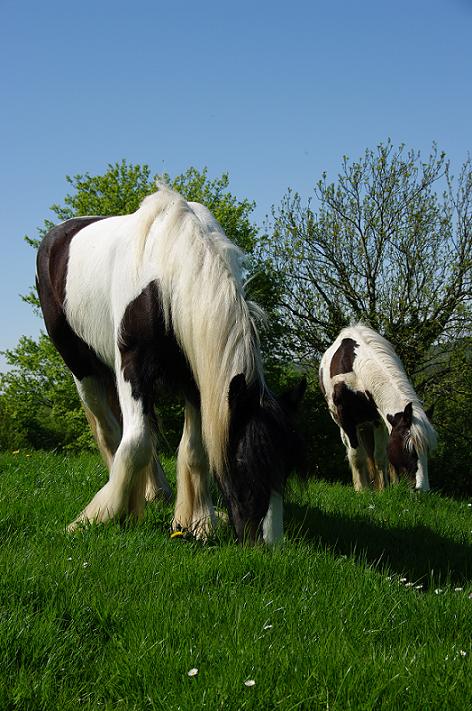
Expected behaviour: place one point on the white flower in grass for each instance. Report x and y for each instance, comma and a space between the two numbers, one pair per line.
458, 589
192, 672
249, 682
403, 580
418, 587
85, 564
438, 591
409, 585
462, 653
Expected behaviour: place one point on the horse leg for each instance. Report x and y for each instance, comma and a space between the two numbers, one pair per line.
393, 474
157, 486
358, 463
375, 466
100, 402
102, 410
193, 508
125, 490
380, 456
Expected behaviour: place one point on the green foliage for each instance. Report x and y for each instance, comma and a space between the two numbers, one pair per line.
452, 397
385, 246
39, 402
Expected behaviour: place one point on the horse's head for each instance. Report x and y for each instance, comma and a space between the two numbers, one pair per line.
264, 448
402, 453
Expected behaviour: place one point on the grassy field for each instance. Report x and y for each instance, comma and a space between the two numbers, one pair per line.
367, 605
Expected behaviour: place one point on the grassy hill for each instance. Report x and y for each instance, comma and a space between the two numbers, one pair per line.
367, 605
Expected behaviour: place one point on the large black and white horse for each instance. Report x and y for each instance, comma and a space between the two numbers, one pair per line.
152, 300
381, 419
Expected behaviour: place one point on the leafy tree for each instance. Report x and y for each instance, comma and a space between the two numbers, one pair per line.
39, 402
390, 244
452, 396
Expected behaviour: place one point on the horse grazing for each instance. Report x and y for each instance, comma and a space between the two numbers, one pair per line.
154, 301
381, 419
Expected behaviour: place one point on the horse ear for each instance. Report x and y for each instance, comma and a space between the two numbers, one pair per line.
241, 395
429, 412
391, 419
291, 399
408, 414
237, 390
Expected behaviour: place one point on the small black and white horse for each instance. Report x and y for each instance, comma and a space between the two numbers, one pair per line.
152, 300
381, 419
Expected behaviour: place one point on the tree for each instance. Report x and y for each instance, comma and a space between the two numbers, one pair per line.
385, 247
39, 403
38, 400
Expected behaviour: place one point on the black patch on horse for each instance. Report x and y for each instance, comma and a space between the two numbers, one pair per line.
151, 358
51, 267
400, 457
353, 408
343, 360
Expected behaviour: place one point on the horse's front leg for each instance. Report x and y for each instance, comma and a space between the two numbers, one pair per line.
124, 493
193, 509
380, 455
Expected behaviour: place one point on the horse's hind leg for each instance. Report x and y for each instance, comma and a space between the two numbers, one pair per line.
125, 490
380, 455
375, 474
358, 463
157, 486
102, 410
193, 509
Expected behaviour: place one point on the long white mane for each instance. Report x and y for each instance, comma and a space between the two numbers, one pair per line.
200, 278
376, 364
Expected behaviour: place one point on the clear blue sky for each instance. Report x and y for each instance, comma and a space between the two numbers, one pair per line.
274, 93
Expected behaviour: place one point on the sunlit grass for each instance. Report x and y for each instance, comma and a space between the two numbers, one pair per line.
367, 604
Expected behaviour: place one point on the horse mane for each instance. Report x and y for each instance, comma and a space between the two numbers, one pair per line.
200, 280
382, 357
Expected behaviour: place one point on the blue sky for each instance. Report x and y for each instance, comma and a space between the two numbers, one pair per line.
274, 93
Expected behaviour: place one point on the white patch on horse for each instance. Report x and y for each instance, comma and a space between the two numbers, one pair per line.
273, 524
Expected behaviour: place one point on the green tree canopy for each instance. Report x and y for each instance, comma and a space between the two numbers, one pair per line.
390, 244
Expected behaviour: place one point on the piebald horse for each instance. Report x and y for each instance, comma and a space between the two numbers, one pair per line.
154, 301
381, 419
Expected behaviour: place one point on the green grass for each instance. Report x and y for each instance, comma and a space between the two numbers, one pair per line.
114, 618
